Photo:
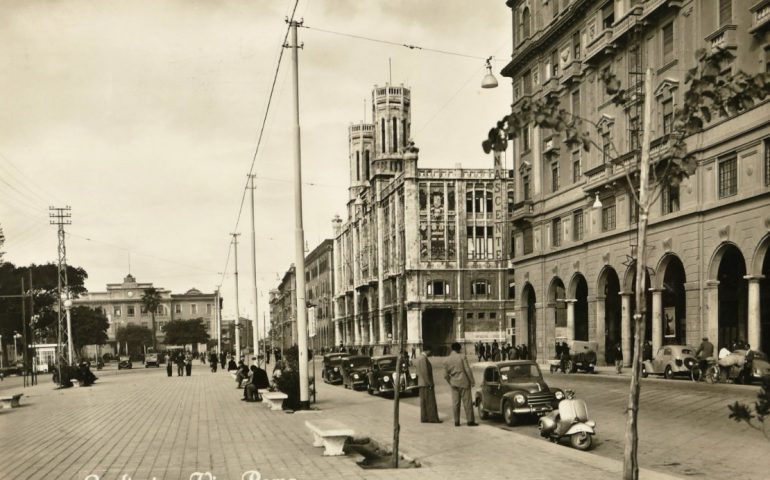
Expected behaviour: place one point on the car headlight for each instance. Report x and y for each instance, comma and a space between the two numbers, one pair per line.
413, 375
559, 395
386, 379
336, 369
519, 399
355, 375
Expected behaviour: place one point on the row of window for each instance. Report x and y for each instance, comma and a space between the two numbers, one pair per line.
480, 315
440, 288
117, 310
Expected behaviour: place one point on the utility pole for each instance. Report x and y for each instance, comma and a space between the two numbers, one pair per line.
299, 233
33, 325
61, 217
24, 329
218, 322
237, 312
630, 454
254, 273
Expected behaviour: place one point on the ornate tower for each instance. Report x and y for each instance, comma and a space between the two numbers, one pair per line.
361, 149
392, 124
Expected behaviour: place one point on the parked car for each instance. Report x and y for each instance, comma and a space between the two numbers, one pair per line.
760, 367
381, 376
124, 361
671, 361
354, 370
330, 371
514, 389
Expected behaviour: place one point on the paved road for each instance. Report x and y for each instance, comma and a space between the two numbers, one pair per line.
682, 425
142, 425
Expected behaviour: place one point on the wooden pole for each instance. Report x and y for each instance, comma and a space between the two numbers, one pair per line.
630, 453
397, 380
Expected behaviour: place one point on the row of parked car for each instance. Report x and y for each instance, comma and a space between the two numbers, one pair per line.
377, 375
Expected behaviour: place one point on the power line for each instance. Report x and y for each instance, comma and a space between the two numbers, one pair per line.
261, 132
397, 44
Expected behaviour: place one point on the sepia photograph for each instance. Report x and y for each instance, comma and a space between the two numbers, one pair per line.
428, 239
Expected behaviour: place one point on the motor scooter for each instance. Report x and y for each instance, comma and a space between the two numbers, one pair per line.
571, 421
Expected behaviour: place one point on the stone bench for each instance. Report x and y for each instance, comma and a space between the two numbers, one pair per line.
11, 401
329, 434
75, 382
274, 400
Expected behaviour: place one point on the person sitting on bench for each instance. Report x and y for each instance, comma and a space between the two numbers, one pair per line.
242, 373
257, 379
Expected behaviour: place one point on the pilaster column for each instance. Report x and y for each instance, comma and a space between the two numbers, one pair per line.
381, 273
571, 318
755, 325
601, 327
657, 319
625, 326
712, 312
337, 332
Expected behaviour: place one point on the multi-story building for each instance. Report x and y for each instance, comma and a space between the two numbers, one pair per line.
319, 284
410, 248
574, 216
283, 308
122, 304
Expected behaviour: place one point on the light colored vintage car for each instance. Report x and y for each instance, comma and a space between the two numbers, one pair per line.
671, 361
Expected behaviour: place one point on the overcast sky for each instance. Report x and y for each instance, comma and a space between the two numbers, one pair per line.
143, 116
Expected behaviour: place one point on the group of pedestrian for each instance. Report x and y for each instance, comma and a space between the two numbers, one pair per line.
183, 362
496, 352
458, 375
562, 354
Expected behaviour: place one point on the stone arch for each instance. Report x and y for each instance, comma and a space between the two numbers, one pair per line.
669, 283
760, 256
728, 270
608, 311
529, 319
760, 269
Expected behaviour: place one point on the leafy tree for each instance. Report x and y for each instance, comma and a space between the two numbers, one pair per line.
44, 292
740, 412
185, 332
136, 336
151, 300
711, 91
89, 327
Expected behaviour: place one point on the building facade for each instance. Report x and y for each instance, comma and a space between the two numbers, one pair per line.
574, 219
422, 248
319, 284
283, 308
122, 304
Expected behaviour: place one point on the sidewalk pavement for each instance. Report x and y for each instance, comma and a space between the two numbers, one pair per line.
144, 425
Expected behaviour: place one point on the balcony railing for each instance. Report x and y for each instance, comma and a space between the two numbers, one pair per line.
601, 45
655, 6
760, 17
725, 37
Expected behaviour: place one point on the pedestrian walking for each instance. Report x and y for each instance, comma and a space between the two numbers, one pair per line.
428, 407
188, 361
169, 367
180, 365
647, 350
222, 359
414, 353
460, 378
618, 355
213, 362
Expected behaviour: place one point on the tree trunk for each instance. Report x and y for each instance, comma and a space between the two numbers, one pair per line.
630, 453
154, 332
397, 380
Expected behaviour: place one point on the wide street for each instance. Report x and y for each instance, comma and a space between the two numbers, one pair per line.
142, 424
683, 427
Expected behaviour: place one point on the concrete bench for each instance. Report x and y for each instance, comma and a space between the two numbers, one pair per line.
274, 400
11, 401
329, 434
75, 382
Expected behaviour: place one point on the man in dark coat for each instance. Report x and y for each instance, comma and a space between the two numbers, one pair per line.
257, 379
428, 407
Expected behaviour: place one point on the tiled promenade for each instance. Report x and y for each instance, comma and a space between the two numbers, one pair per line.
141, 425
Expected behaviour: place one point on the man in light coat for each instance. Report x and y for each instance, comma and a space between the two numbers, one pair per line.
428, 407
460, 378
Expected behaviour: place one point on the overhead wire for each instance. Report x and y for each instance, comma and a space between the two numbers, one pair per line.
261, 133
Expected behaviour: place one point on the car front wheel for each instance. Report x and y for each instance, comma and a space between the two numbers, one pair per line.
644, 372
668, 374
508, 415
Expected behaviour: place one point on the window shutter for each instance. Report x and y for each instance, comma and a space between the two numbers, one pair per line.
725, 12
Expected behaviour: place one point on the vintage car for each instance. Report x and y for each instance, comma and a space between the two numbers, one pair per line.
514, 389
582, 356
124, 361
354, 369
671, 361
760, 367
330, 371
381, 376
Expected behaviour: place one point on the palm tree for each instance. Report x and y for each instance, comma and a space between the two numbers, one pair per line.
151, 300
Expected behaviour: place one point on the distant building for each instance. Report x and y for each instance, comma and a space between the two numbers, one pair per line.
319, 285
122, 304
283, 317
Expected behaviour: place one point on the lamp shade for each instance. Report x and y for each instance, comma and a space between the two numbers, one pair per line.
597, 202
489, 80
